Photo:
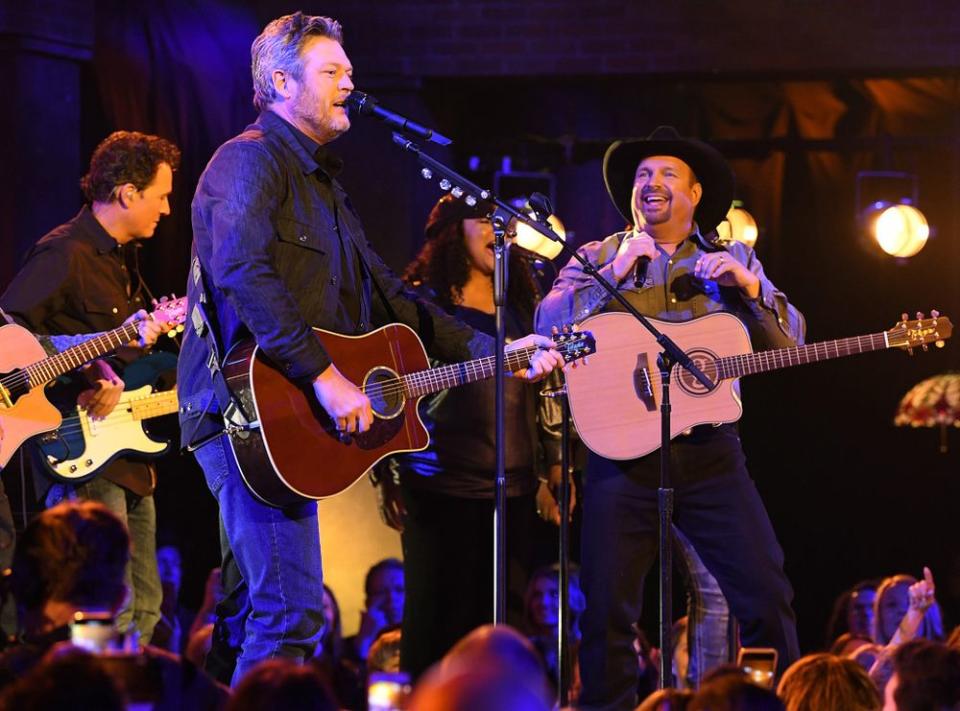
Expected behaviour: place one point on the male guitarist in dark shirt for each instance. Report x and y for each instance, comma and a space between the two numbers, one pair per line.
280, 249
77, 279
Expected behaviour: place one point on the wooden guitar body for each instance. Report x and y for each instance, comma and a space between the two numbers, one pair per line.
615, 400
24, 412
307, 458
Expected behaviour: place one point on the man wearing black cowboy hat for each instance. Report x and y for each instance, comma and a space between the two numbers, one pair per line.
674, 192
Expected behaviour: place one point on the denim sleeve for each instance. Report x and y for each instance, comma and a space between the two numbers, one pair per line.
236, 204
575, 295
57, 344
775, 323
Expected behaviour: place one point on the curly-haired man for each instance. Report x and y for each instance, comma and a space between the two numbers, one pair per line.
82, 277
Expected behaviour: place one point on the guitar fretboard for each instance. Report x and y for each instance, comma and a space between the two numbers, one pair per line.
426, 382
748, 363
155, 405
50, 368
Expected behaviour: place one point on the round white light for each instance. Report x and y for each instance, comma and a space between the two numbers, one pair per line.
901, 230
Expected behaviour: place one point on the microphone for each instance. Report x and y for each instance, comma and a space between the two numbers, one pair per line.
640, 271
542, 207
366, 105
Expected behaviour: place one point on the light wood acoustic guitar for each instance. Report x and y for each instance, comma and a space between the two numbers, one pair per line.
615, 402
24, 371
291, 450
82, 446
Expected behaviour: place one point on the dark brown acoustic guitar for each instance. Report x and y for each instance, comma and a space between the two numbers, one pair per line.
291, 451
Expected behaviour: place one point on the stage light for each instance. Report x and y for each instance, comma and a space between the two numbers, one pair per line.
738, 226
900, 230
532, 241
887, 213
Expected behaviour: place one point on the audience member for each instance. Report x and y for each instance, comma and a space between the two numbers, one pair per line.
648, 661
69, 564
71, 679
853, 612
385, 651
542, 618
848, 643
733, 692
954, 639
926, 677
493, 667
70, 559
345, 675
384, 590
667, 700
826, 682
892, 603
282, 685
172, 631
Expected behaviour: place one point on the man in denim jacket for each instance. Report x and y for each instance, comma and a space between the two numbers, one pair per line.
279, 249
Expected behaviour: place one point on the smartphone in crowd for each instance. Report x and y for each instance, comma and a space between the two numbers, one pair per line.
388, 691
760, 664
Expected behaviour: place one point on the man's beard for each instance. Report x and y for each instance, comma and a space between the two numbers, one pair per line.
322, 126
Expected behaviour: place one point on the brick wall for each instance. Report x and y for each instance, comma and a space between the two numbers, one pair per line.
510, 37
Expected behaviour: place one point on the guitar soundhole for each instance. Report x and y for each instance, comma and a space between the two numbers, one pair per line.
706, 361
385, 391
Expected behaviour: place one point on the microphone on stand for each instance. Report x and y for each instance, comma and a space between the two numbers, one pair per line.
542, 208
366, 105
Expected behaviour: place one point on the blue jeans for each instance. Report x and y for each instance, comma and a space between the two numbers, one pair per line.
277, 599
708, 615
142, 577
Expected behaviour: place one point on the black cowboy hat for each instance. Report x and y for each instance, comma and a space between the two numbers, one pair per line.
622, 158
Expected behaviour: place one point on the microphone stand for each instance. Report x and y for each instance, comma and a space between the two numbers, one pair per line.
671, 355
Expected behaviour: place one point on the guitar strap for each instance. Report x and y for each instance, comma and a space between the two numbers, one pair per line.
369, 272
232, 409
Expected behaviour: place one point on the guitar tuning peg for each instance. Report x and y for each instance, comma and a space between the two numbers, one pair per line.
934, 314
939, 344
903, 318
925, 347
919, 315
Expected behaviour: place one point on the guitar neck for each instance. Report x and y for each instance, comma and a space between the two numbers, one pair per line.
433, 380
48, 369
748, 363
155, 405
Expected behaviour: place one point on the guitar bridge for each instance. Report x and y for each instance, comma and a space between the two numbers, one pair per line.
642, 382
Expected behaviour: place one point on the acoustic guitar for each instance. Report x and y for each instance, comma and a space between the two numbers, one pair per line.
24, 408
291, 450
615, 403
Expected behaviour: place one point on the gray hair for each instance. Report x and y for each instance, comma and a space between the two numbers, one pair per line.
279, 46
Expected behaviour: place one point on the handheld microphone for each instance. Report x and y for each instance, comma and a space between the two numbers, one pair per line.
366, 105
640, 271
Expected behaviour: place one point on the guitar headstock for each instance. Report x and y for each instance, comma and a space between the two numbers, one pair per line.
918, 332
574, 345
171, 311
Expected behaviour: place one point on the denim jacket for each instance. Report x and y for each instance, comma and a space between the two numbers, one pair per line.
268, 240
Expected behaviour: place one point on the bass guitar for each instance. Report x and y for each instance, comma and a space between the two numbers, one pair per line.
82, 446
291, 450
615, 403
24, 408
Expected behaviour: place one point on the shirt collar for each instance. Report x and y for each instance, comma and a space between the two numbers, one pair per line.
311, 154
97, 235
